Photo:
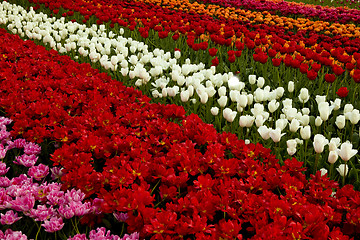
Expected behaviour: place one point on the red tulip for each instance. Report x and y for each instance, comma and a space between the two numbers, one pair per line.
342, 92
213, 51
276, 61
215, 61
311, 74
330, 78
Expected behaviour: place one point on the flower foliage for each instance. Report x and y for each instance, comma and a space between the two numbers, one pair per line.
173, 175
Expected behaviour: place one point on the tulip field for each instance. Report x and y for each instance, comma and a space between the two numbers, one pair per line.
169, 119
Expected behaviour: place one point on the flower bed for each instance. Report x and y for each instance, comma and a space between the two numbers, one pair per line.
174, 180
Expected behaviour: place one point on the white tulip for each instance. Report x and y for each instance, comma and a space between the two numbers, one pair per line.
184, 96
304, 120
234, 84
294, 125
343, 170
304, 95
204, 97
222, 91
250, 98
340, 121
305, 111
291, 86
324, 110
319, 143
214, 111
346, 152
177, 54
229, 114
222, 101
348, 108
246, 121
273, 106
260, 82
318, 121
354, 117
291, 146
259, 120
305, 132
276, 134
234, 95
243, 100
264, 132
287, 103
279, 92
334, 144
336, 104
252, 79
323, 171
333, 156
319, 99
281, 124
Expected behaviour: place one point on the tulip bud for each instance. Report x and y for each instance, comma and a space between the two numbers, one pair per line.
291, 146
324, 110
252, 79
246, 121
260, 82
333, 156
318, 121
184, 95
243, 100
222, 91
305, 111
354, 117
334, 144
234, 95
229, 115
319, 143
340, 121
294, 125
222, 101
304, 95
291, 86
214, 111
305, 132
281, 123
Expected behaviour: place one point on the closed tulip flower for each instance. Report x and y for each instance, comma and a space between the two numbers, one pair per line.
291, 86
324, 110
291, 146
305, 132
252, 79
346, 152
304, 95
229, 114
340, 121
319, 143
222, 101
246, 121
333, 156
264, 132
294, 125
214, 111
318, 121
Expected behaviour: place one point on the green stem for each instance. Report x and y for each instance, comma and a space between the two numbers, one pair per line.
316, 162
343, 180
